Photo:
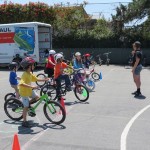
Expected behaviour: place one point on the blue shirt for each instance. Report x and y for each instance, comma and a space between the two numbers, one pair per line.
77, 65
13, 78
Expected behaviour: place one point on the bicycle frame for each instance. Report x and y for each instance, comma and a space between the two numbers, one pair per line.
42, 98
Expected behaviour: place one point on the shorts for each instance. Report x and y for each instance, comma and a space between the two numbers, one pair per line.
15, 87
138, 70
25, 100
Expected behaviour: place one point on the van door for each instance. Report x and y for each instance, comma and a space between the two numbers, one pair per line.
44, 36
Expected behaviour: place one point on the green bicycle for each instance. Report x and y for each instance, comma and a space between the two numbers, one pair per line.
53, 111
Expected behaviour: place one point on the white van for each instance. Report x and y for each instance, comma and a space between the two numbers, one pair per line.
24, 39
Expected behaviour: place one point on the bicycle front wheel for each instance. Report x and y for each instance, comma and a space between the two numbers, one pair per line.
13, 109
81, 93
50, 90
41, 76
9, 95
54, 112
95, 76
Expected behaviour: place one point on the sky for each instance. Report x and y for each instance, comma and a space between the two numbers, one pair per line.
96, 10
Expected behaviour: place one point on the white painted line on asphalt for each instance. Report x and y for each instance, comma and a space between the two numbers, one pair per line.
36, 137
123, 141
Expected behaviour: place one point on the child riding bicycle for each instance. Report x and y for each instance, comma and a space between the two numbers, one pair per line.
13, 78
59, 74
26, 89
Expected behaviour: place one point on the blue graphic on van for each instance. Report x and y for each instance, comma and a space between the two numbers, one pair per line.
25, 38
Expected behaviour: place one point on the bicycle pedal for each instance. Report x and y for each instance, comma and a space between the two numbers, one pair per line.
31, 114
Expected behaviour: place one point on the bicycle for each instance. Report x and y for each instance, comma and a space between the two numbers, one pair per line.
100, 61
91, 72
107, 58
52, 110
80, 91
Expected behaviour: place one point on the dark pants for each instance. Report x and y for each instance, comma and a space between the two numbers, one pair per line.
58, 82
49, 72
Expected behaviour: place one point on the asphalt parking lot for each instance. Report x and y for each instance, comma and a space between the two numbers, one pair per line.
112, 118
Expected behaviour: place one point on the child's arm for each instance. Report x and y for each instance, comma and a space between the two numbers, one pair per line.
46, 79
18, 78
29, 86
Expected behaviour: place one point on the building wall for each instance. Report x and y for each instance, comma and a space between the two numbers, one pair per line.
118, 56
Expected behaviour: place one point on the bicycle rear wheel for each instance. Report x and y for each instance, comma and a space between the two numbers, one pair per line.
41, 76
50, 90
81, 93
9, 95
13, 109
54, 112
95, 76
90, 85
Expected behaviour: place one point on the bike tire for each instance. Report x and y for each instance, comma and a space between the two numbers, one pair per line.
95, 76
9, 95
90, 85
81, 90
57, 112
50, 90
41, 76
16, 109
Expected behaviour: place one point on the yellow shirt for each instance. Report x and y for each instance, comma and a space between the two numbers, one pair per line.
26, 78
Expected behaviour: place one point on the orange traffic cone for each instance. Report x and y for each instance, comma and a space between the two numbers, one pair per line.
62, 103
16, 145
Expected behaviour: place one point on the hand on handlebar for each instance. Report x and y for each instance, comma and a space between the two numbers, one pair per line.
35, 87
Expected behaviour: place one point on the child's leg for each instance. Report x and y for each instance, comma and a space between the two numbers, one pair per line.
25, 110
25, 101
16, 90
34, 97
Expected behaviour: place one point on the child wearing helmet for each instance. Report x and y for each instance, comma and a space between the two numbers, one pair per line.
59, 73
13, 78
26, 89
77, 63
87, 62
49, 68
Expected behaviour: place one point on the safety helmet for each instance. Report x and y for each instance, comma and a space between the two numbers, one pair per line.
77, 54
58, 56
52, 52
26, 62
13, 65
87, 55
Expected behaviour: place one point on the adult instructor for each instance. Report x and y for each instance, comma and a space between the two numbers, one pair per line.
137, 66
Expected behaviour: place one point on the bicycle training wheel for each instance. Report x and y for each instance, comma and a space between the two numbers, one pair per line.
90, 85
9, 95
81, 93
95, 76
50, 90
13, 109
41, 76
54, 112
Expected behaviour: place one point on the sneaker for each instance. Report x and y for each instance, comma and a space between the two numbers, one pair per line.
138, 94
69, 88
25, 124
134, 93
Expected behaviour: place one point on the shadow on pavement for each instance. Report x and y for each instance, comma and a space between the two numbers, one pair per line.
24, 130
141, 97
75, 103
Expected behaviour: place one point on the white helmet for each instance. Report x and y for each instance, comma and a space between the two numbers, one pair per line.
77, 54
58, 56
52, 52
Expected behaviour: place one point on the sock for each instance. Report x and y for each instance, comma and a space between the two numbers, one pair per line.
138, 90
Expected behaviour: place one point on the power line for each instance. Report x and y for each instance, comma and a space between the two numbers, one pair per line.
107, 3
